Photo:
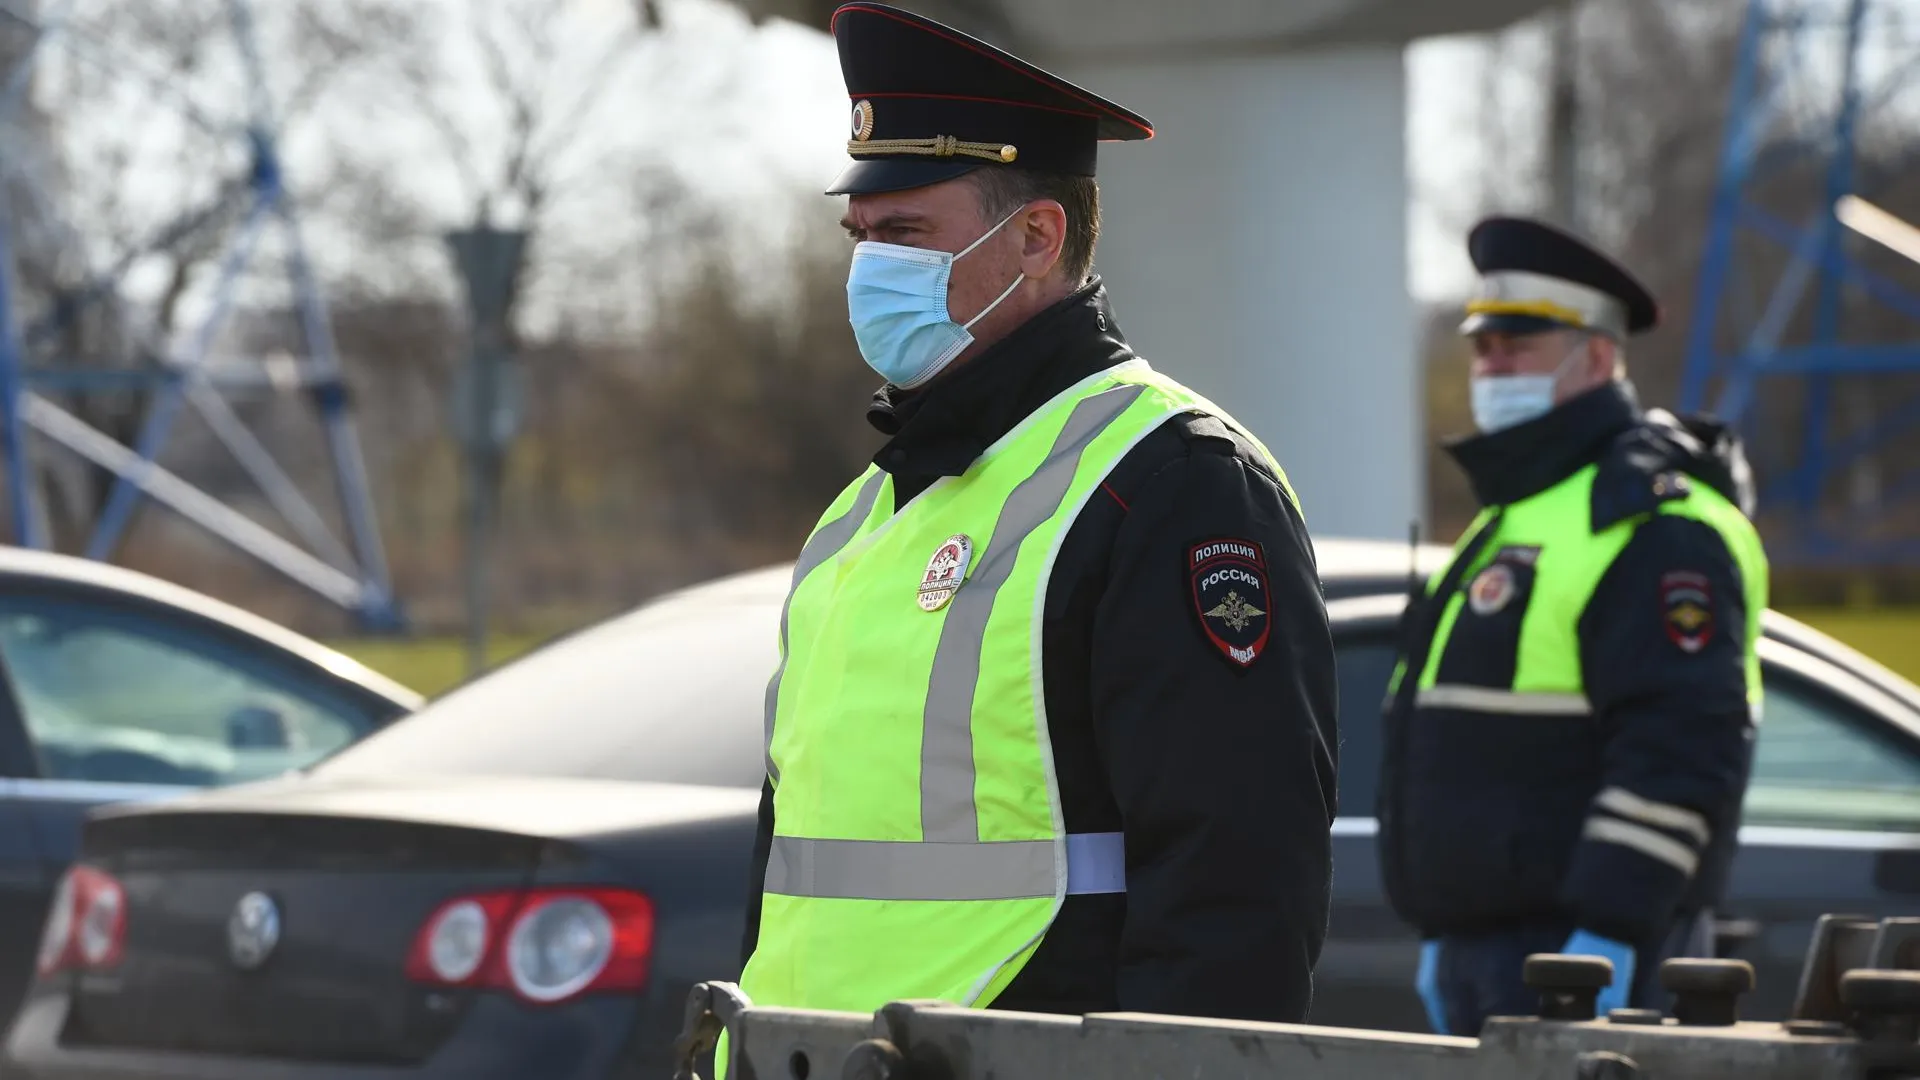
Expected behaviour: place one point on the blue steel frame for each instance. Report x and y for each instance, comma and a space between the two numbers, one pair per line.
1777, 30
357, 581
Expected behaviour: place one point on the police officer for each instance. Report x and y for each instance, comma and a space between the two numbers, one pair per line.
1570, 727
1054, 729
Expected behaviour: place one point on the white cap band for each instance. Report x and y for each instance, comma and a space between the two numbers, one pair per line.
1518, 292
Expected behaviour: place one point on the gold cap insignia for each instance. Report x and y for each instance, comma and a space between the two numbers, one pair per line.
862, 121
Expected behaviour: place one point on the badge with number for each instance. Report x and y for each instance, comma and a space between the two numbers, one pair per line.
945, 572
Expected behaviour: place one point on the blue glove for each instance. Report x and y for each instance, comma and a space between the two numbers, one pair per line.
1427, 982
1615, 996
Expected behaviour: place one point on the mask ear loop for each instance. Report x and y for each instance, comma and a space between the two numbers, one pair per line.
1560, 371
968, 325
962, 253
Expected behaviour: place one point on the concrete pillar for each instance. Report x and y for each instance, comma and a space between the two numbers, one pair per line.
1256, 249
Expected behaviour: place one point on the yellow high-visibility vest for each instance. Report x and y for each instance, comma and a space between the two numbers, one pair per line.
919, 850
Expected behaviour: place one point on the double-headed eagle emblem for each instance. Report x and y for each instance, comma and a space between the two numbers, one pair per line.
1235, 611
1689, 617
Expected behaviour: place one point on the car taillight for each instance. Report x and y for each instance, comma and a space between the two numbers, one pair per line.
86, 924
545, 945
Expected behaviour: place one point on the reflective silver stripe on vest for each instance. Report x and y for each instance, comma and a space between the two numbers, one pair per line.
825, 543
913, 870
1486, 699
947, 813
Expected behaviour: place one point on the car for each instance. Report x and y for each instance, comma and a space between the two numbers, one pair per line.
122, 687
527, 876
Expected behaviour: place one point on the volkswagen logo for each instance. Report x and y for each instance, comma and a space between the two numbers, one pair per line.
253, 930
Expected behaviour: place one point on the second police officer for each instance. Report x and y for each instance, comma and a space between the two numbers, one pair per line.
1570, 729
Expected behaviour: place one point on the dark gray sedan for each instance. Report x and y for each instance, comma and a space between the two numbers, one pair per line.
118, 686
525, 877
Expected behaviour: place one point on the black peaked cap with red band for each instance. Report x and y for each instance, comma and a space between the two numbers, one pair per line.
929, 103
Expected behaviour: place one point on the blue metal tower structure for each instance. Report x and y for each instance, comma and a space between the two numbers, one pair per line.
353, 576
1809, 75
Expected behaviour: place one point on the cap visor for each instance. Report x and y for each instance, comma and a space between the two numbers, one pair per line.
893, 174
1487, 323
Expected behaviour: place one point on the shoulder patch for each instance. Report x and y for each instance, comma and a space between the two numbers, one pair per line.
1686, 609
1228, 576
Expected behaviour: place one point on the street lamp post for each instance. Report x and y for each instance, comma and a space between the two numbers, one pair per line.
488, 402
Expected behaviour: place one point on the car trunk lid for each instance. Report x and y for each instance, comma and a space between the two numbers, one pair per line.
351, 873
314, 969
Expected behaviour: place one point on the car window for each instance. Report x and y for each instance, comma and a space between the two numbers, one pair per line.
114, 693
1820, 760
1365, 665
1823, 762
673, 692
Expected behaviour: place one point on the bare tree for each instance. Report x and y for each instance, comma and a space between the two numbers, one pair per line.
690, 409
516, 131
153, 115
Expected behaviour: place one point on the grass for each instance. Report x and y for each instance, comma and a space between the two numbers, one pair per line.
432, 665
1889, 635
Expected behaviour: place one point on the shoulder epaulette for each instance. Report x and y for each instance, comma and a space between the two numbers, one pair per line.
1211, 434
1197, 425
1633, 479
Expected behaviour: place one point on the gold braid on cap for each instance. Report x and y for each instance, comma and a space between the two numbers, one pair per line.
941, 146
1543, 296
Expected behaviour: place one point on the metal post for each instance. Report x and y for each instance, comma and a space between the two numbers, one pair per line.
483, 473
1746, 122
20, 501
190, 502
1826, 319
350, 469
486, 404
167, 400
1563, 122
330, 397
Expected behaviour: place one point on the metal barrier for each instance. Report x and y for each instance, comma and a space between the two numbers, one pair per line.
1856, 1017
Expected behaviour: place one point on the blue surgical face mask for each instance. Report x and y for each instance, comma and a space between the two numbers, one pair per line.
1504, 401
897, 301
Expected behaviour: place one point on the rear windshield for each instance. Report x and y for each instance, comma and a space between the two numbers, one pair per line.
673, 692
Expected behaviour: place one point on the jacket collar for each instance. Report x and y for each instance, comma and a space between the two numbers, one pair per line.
1526, 459
941, 428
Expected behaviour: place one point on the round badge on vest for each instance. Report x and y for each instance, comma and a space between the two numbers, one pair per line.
1491, 589
945, 572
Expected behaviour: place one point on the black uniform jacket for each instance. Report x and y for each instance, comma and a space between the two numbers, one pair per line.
1220, 776
1621, 821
